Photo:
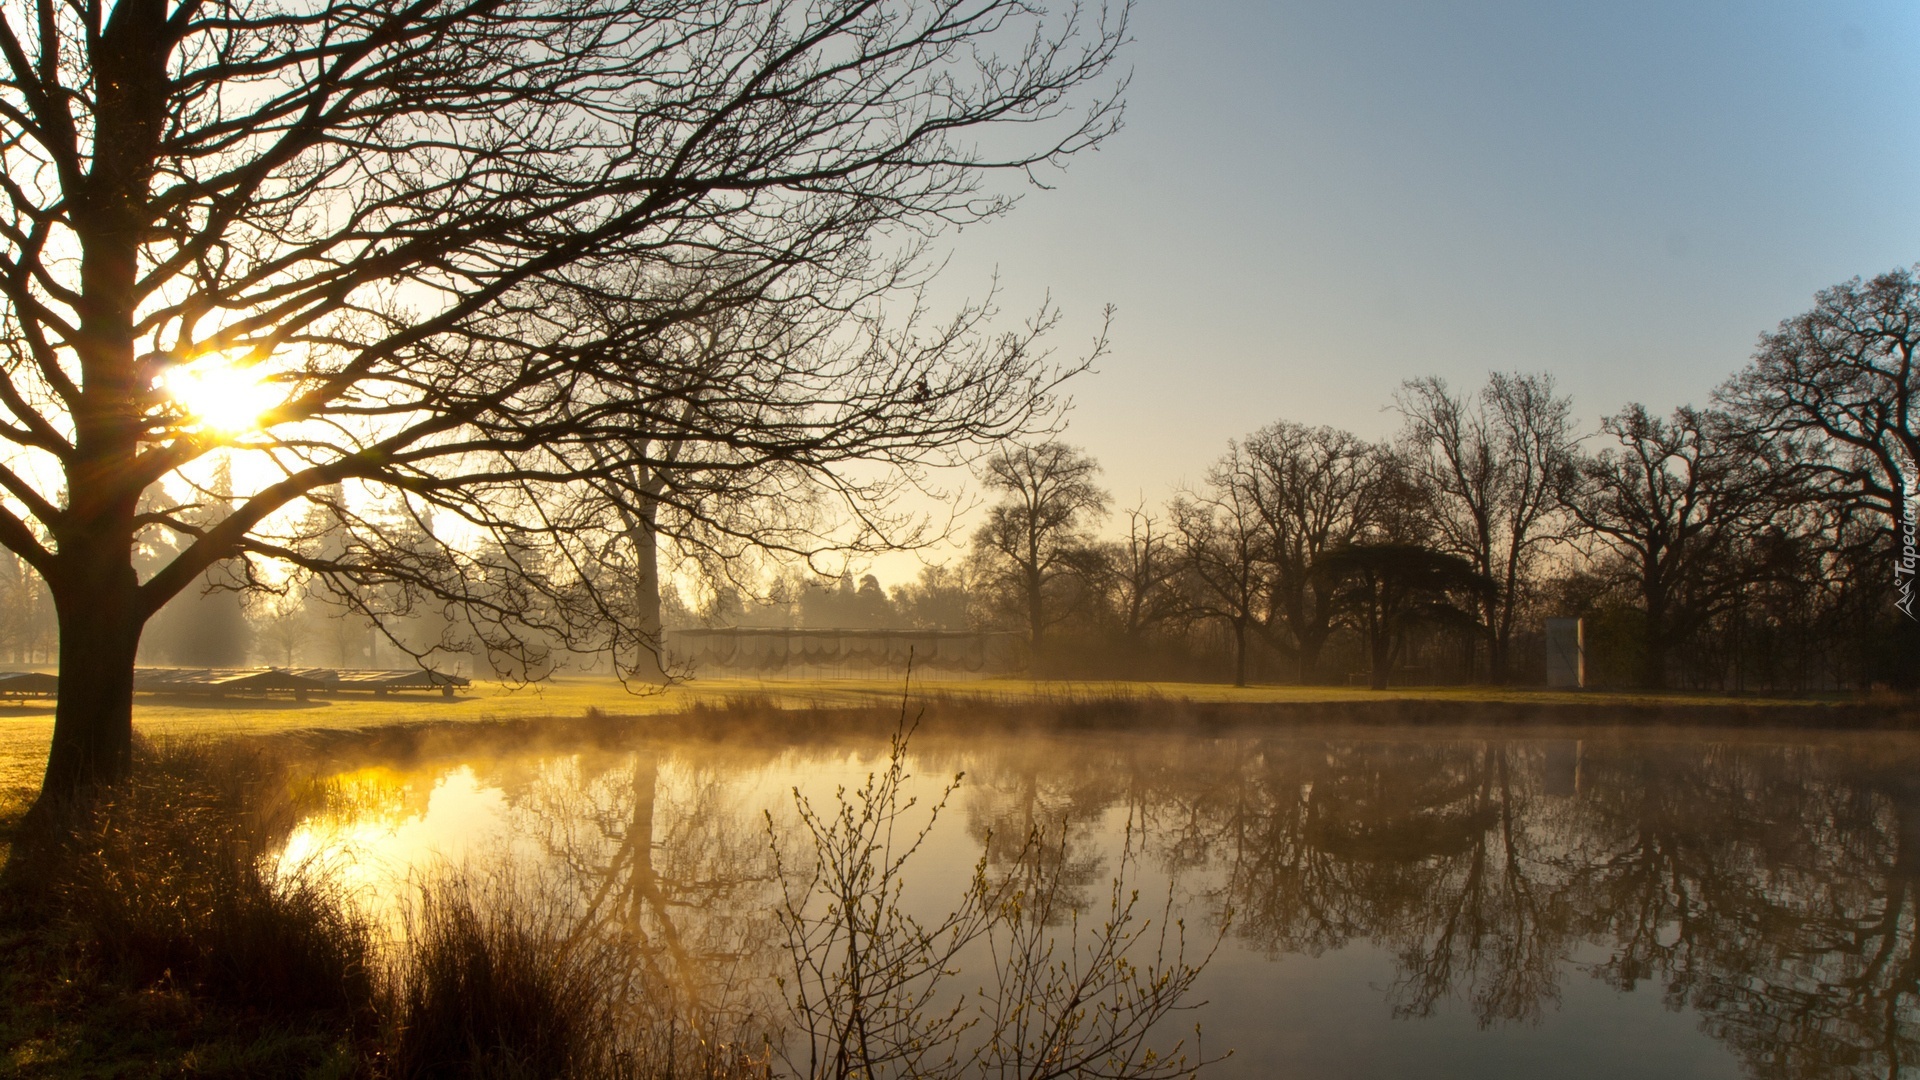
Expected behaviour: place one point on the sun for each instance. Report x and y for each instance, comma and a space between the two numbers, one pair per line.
220, 395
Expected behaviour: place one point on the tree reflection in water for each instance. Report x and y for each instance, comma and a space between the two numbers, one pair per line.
1771, 888
669, 861
1767, 886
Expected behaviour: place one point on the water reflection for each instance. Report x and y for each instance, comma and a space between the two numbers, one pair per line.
1766, 888
662, 858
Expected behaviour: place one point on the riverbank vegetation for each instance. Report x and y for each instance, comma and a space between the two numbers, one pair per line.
164, 934
562, 701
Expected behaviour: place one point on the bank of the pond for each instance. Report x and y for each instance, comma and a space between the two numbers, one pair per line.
153, 939
25, 729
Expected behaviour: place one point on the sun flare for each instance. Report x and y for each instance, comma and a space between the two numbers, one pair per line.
221, 395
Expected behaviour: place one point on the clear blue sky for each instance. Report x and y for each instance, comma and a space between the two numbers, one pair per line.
1313, 201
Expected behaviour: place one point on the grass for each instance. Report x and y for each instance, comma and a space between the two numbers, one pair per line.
149, 939
25, 729
488, 986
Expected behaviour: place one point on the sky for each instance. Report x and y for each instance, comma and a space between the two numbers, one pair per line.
1313, 201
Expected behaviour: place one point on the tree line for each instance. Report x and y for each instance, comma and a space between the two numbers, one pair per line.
1761, 541
1758, 542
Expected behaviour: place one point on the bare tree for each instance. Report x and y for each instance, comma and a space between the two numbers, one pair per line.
1225, 549
1316, 489
1492, 465
1385, 588
1838, 387
280, 628
1140, 572
870, 987
370, 235
1035, 540
1676, 500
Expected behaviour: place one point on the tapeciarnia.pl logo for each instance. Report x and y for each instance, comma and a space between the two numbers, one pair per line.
1904, 559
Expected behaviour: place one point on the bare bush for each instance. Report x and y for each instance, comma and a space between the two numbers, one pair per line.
872, 990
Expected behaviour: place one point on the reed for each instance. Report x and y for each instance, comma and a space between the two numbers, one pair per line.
496, 979
160, 934
484, 990
173, 879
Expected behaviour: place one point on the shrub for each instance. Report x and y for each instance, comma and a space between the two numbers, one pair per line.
172, 879
485, 990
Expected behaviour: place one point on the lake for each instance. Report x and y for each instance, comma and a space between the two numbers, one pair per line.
1387, 902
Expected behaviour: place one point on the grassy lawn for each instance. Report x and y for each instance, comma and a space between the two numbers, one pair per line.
26, 728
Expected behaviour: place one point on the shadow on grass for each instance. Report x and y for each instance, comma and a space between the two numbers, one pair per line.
239, 703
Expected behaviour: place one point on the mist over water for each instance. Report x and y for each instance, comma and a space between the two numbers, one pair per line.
1403, 902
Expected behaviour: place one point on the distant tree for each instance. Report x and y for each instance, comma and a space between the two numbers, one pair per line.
1680, 501
1492, 465
1225, 551
872, 606
1316, 489
1140, 573
338, 631
1035, 542
939, 599
687, 501
27, 631
847, 604
1385, 588
636, 504
205, 626
1839, 384
379, 228
280, 628
825, 604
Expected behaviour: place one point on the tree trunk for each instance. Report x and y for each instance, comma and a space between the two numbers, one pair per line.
1380, 641
1499, 636
649, 659
99, 608
1239, 654
1307, 658
1036, 620
1654, 668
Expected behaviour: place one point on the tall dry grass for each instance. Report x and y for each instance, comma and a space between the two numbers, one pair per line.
496, 981
172, 882
482, 990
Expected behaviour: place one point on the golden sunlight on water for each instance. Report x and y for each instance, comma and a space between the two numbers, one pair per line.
1402, 903
383, 828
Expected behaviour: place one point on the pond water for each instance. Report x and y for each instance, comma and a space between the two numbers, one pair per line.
1402, 902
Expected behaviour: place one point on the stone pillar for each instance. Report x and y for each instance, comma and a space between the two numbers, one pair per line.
1566, 653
